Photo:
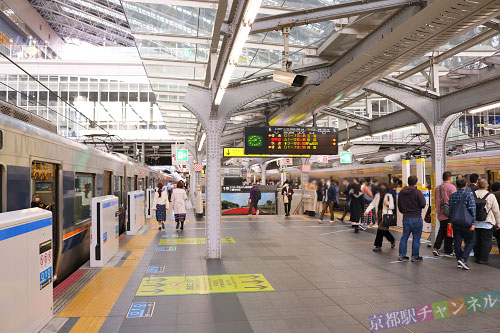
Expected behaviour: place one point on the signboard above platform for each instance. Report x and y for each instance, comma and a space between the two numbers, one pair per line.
291, 140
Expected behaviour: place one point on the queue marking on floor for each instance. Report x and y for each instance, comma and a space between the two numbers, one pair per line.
94, 302
192, 241
202, 284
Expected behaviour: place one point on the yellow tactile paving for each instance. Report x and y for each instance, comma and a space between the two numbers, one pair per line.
94, 302
88, 324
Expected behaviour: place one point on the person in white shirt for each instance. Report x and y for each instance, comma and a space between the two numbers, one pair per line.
179, 198
484, 225
160, 206
383, 203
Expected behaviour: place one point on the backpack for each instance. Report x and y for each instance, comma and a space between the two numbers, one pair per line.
258, 194
460, 215
444, 207
481, 212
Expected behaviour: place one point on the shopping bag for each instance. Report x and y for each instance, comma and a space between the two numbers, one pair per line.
449, 231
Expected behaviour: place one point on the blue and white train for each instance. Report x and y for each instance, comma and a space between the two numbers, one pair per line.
36, 163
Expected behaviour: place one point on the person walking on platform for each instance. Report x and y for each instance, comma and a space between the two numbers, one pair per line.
319, 196
411, 201
357, 207
179, 198
287, 193
331, 195
462, 217
367, 198
347, 188
487, 220
383, 204
443, 193
253, 202
160, 206
495, 188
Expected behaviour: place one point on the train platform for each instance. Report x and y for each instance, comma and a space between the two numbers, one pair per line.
277, 275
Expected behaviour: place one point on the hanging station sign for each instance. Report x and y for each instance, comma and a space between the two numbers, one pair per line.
291, 140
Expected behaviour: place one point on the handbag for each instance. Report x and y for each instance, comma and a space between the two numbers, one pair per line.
389, 220
444, 207
460, 216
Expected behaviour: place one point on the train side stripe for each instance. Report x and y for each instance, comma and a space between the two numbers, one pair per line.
76, 231
25, 228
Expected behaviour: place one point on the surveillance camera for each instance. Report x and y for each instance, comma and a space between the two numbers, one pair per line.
291, 79
347, 146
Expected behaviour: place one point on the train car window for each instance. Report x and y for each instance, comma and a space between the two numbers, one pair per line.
129, 184
140, 184
117, 188
84, 191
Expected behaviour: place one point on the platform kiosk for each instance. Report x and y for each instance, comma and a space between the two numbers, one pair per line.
27, 275
104, 231
150, 196
135, 209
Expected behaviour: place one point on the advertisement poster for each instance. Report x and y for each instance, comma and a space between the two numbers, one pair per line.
43, 187
234, 200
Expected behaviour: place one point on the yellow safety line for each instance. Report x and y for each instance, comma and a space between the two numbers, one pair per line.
94, 302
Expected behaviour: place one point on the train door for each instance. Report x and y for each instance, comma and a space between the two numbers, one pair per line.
46, 181
493, 176
107, 183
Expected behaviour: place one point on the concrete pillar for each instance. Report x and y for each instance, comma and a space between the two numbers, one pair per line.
263, 167
213, 191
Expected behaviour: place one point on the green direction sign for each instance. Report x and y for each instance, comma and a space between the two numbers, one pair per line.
345, 157
182, 155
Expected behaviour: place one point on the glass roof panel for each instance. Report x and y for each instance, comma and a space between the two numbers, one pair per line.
181, 51
301, 4
168, 19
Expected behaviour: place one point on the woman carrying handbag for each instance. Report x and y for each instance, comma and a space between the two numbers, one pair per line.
383, 202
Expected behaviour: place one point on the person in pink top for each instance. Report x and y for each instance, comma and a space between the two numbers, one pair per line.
442, 196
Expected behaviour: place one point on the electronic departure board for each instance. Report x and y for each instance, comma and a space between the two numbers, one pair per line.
291, 140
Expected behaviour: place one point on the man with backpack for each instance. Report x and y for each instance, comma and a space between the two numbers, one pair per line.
474, 180
255, 196
462, 216
442, 195
487, 218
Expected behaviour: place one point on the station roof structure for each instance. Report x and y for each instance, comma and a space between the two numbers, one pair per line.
342, 45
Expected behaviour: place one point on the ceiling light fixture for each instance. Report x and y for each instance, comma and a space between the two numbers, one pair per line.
202, 141
485, 108
238, 43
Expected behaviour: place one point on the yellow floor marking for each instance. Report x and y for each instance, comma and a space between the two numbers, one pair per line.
88, 324
94, 302
202, 284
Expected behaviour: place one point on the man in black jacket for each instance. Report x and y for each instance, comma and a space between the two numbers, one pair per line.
411, 201
331, 195
347, 188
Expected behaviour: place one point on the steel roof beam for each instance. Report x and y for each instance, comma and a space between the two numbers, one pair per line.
346, 115
485, 35
411, 33
207, 41
327, 13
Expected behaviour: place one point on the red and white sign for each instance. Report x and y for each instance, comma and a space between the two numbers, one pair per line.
323, 159
198, 167
287, 161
